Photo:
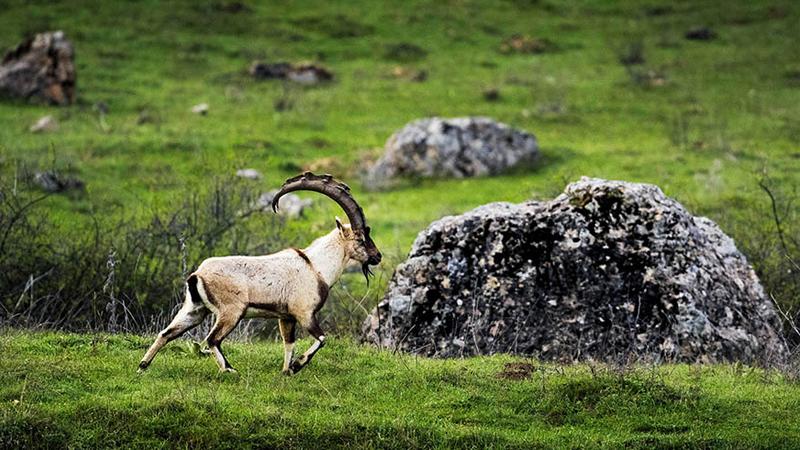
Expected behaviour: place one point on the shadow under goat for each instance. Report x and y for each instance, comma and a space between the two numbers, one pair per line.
290, 285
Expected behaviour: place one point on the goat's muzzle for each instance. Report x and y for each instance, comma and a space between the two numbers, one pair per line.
373, 260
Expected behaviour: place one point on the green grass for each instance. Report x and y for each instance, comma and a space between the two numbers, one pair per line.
728, 111
733, 95
81, 391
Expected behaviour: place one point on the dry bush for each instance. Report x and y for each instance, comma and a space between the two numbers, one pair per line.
119, 277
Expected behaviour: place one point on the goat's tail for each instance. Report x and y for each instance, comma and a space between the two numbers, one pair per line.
194, 293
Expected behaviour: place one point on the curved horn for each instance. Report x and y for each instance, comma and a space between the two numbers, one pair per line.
327, 185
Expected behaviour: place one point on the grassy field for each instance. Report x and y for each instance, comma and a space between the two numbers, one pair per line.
727, 109
80, 391
704, 120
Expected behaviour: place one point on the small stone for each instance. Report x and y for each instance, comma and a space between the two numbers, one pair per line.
491, 95
44, 124
701, 34
405, 73
264, 71
309, 74
290, 205
54, 182
201, 108
306, 73
520, 43
250, 174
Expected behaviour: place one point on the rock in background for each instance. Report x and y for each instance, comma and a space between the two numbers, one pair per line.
608, 270
290, 205
305, 73
249, 174
40, 68
461, 147
53, 182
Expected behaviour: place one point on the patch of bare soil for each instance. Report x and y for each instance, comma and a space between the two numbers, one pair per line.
516, 371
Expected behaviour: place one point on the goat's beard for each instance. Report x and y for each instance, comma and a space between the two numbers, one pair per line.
365, 270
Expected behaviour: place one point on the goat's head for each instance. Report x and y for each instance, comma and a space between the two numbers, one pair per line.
360, 246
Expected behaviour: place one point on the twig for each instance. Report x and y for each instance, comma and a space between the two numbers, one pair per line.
326, 389
775, 215
785, 315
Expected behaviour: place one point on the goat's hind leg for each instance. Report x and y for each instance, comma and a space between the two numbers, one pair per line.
189, 316
226, 322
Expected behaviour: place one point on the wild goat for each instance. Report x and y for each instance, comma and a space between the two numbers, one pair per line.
291, 285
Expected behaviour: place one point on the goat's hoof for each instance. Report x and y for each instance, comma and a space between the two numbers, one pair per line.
287, 372
295, 367
142, 367
229, 370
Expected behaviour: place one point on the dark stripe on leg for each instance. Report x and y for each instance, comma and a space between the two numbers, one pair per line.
224, 359
221, 329
287, 328
315, 330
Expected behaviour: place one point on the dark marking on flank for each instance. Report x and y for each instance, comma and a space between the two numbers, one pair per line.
303, 255
322, 289
270, 307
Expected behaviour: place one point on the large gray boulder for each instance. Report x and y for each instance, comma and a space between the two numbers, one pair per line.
608, 270
461, 147
41, 69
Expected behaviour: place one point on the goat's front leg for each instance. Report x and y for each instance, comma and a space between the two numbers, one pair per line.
287, 327
313, 328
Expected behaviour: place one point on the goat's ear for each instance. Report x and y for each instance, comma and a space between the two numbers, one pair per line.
340, 226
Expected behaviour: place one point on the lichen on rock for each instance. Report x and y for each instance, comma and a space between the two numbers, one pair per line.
609, 271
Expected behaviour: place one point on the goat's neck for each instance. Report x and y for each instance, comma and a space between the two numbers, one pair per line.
327, 255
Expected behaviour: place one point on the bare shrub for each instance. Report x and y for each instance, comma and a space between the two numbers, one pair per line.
122, 276
768, 235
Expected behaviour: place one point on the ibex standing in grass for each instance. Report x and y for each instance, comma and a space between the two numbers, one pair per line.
291, 285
